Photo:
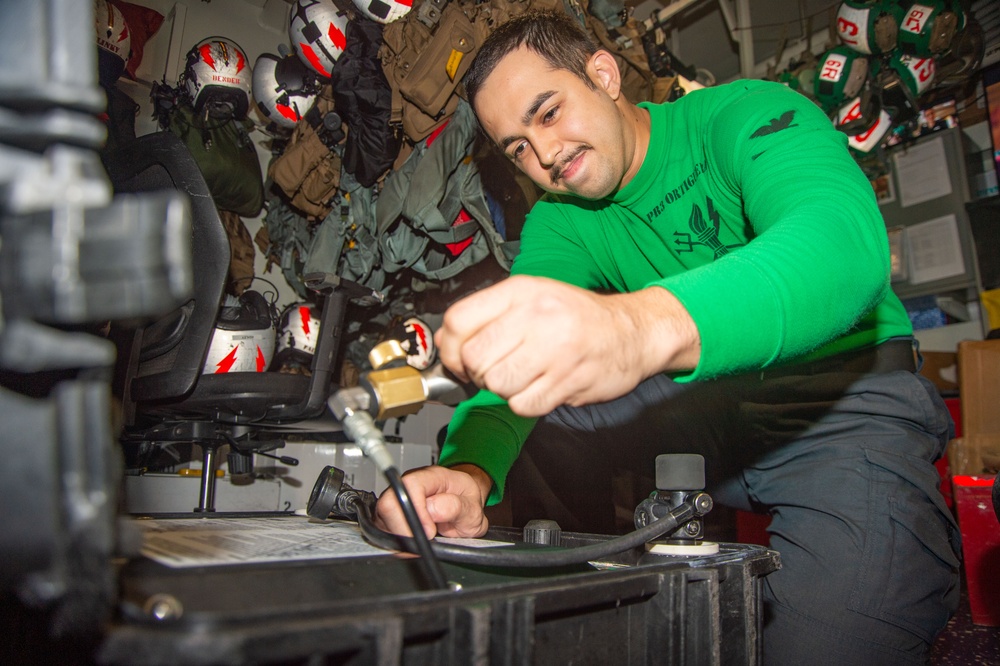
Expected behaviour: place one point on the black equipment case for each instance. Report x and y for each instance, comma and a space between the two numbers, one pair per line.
632, 609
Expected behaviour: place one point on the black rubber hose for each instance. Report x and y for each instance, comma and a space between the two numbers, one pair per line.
508, 557
420, 542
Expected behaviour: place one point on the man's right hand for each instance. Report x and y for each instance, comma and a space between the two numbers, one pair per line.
448, 500
540, 343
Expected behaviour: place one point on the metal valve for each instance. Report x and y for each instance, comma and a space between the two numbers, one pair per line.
393, 388
680, 478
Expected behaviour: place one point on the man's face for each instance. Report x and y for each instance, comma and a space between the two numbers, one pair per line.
566, 136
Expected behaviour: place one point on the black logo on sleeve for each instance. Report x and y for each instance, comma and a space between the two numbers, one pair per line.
704, 231
776, 125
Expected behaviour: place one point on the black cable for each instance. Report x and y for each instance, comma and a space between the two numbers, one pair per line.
524, 558
422, 544
235, 446
288, 460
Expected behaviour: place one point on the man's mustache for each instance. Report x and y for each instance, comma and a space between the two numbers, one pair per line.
555, 173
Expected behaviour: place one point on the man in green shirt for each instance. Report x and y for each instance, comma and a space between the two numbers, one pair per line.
710, 276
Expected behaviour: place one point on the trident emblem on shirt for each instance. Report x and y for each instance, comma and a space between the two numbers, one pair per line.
706, 234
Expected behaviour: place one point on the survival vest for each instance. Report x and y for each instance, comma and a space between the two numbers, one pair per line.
426, 53
308, 170
364, 100
432, 214
225, 153
345, 241
284, 238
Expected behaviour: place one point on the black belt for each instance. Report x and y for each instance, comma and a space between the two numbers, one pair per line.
890, 356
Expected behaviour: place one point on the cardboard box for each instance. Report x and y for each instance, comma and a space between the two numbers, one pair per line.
979, 386
974, 455
942, 369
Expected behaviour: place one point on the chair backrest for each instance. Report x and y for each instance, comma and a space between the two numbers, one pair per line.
172, 350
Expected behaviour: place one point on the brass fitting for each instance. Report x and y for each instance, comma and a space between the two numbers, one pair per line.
399, 390
385, 353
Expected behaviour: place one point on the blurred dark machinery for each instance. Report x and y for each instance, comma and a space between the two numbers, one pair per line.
73, 258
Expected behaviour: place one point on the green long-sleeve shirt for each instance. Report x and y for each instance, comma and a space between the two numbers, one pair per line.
748, 208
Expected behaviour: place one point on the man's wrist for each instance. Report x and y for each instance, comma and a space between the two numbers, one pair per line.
667, 328
479, 475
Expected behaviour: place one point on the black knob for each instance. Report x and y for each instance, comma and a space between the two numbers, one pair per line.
543, 532
239, 463
680, 471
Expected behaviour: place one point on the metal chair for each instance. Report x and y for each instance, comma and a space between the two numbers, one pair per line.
166, 397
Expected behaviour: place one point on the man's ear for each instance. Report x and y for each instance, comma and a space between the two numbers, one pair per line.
603, 70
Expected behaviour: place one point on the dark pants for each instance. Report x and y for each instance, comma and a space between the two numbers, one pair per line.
842, 461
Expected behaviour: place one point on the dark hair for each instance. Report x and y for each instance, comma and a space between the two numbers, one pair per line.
556, 37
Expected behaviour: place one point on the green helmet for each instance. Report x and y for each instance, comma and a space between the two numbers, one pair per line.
869, 26
917, 74
865, 123
901, 79
840, 75
929, 26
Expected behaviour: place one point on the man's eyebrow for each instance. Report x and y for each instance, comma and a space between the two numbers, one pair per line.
536, 104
